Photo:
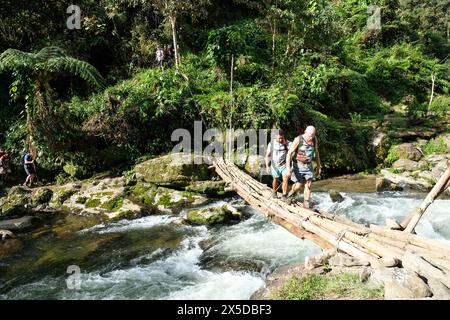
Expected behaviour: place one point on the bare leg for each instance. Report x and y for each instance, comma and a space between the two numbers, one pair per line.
295, 188
32, 178
285, 184
307, 193
274, 184
26, 180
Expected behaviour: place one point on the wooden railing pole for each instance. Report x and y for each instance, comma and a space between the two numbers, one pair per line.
411, 221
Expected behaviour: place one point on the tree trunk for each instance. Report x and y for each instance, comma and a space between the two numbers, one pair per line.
232, 104
173, 23
433, 79
413, 218
273, 29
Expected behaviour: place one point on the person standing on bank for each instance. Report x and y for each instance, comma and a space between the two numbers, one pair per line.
30, 168
276, 162
305, 147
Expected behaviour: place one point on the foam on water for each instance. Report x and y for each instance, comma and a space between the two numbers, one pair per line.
375, 208
127, 225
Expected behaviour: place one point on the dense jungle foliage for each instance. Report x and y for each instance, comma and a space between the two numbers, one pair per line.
94, 98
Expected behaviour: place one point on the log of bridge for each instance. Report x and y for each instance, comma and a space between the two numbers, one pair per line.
431, 257
411, 221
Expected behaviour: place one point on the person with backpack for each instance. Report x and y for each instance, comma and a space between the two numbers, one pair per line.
160, 56
277, 151
5, 168
30, 168
305, 148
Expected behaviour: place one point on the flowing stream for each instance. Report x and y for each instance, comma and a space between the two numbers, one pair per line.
156, 257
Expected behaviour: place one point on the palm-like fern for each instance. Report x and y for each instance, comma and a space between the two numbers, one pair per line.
49, 60
39, 68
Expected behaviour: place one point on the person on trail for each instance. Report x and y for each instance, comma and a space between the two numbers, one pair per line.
276, 162
168, 54
305, 147
160, 56
4, 165
30, 168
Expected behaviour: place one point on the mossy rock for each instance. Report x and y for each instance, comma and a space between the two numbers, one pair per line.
92, 203
336, 196
114, 204
173, 170
60, 196
41, 196
142, 194
81, 200
15, 202
208, 188
407, 151
213, 216
170, 198
127, 214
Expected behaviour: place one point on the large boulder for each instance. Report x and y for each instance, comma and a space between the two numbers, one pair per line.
407, 151
16, 202
42, 196
172, 201
173, 170
344, 260
380, 145
438, 170
446, 139
400, 283
410, 165
336, 196
209, 188
383, 184
19, 224
213, 215
404, 181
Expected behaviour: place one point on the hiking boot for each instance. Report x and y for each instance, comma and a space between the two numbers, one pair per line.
274, 194
287, 200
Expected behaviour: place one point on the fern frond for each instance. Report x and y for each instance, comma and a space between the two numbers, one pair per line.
13, 58
80, 68
48, 53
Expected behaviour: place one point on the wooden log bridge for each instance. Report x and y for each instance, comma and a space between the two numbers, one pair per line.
375, 244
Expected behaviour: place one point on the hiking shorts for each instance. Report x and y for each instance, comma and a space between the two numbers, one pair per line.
302, 172
278, 172
29, 169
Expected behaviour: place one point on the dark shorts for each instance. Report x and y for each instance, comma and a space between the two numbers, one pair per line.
302, 172
29, 169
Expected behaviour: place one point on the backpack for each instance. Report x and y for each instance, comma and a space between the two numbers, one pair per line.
22, 159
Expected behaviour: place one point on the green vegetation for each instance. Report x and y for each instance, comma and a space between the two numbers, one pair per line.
339, 286
93, 99
92, 203
82, 200
114, 204
435, 146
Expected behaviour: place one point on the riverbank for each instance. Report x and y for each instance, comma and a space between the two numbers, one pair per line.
145, 211
338, 276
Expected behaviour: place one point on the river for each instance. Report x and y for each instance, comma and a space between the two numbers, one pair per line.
156, 257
